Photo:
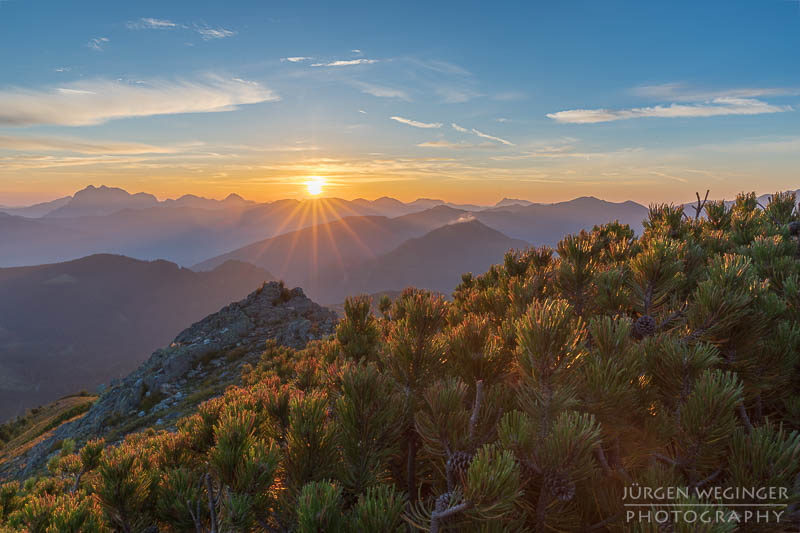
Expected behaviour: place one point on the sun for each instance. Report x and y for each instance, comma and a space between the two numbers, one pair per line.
314, 185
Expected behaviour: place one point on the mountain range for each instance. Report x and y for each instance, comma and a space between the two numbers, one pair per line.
110, 287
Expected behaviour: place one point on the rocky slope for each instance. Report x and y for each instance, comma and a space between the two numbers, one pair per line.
200, 363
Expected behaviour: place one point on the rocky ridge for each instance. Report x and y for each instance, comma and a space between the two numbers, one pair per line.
200, 363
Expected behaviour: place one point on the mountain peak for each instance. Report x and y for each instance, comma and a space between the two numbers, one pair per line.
505, 202
102, 200
233, 197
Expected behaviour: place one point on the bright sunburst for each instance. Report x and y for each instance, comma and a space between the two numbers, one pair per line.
314, 185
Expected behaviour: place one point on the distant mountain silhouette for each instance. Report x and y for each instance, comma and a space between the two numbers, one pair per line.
326, 259
548, 223
36, 210
95, 201
74, 325
190, 200
186, 230
308, 255
434, 261
505, 202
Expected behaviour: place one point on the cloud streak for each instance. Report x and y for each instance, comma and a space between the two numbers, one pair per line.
147, 23
445, 144
381, 91
93, 102
206, 32
213, 33
492, 137
416, 123
680, 92
98, 43
81, 146
346, 63
717, 107
481, 134
296, 59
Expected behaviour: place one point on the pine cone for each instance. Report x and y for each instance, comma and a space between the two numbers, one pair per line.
458, 463
644, 326
559, 485
442, 502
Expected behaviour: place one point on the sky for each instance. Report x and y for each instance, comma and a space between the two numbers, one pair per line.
462, 101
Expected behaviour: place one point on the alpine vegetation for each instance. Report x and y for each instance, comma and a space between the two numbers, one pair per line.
547, 395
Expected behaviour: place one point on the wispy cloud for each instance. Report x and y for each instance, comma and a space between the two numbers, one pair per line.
479, 133
445, 144
213, 33
452, 95
296, 59
381, 91
97, 101
346, 63
98, 43
81, 146
206, 32
681, 92
147, 23
416, 123
717, 107
492, 137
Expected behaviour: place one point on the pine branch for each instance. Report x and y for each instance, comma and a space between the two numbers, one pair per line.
601, 458
669, 460
602, 525
473, 420
212, 508
436, 516
702, 482
672, 316
699, 207
745, 418
77, 483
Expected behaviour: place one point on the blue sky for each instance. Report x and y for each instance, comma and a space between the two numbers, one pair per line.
466, 101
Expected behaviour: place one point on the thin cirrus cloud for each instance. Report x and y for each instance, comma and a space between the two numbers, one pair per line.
96, 101
98, 43
81, 146
444, 144
206, 32
147, 23
296, 59
346, 63
481, 134
213, 33
492, 137
416, 123
681, 92
381, 91
717, 107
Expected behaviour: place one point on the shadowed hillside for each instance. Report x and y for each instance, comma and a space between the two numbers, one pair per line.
434, 261
70, 326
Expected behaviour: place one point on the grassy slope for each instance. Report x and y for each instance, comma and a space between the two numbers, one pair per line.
45, 420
